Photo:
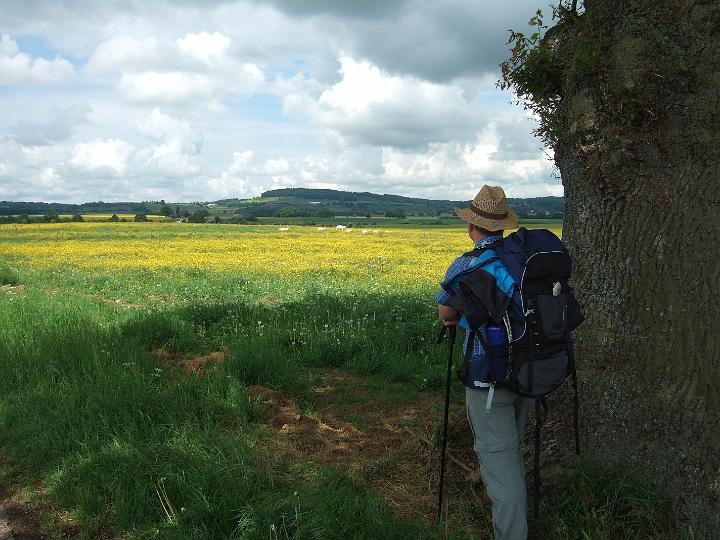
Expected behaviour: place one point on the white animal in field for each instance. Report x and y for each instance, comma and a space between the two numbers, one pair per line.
322, 228
283, 229
340, 227
375, 231
348, 230
365, 231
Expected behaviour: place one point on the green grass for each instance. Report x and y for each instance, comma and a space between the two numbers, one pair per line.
8, 276
85, 408
604, 503
112, 432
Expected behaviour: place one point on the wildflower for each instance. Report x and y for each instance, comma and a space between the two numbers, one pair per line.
381, 261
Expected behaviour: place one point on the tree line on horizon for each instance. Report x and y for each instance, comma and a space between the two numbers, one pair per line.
281, 203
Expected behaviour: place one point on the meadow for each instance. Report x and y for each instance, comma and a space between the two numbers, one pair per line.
165, 380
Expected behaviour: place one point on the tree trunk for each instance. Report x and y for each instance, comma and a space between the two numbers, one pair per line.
639, 155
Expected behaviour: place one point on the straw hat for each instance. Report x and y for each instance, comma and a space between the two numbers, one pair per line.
489, 210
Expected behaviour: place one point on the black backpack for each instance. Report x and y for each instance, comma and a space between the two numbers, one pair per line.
539, 317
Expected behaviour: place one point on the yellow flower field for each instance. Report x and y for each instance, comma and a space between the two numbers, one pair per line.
408, 255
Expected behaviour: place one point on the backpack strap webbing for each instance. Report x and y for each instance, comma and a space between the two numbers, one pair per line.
485, 345
470, 345
465, 364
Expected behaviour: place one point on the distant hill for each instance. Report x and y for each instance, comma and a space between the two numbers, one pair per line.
293, 202
9, 208
309, 201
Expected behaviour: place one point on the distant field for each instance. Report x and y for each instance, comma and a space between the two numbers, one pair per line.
401, 254
411, 221
358, 221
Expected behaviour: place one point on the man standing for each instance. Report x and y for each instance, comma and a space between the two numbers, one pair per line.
497, 423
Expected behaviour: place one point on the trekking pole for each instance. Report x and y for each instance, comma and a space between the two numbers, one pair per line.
451, 343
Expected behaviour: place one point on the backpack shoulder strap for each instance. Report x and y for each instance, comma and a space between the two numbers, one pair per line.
477, 252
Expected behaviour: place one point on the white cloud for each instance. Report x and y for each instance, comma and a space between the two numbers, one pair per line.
377, 108
436, 40
192, 70
128, 52
191, 100
168, 129
47, 178
526, 168
240, 162
556, 190
178, 148
208, 48
165, 87
235, 181
276, 166
104, 155
8, 47
17, 67
59, 126
479, 157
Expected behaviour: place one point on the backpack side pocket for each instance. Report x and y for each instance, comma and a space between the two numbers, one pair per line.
552, 312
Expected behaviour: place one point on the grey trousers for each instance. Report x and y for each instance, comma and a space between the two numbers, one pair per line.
498, 434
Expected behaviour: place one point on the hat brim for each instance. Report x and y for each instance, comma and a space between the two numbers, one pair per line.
510, 222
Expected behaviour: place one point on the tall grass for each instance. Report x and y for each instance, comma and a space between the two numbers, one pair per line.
151, 451
125, 441
8, 276
598, 502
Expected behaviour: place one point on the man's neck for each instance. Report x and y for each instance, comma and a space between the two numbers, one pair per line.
479, 236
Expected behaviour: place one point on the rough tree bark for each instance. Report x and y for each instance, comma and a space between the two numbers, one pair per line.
639, 155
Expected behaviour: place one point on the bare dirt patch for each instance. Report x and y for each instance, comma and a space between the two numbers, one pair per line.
271, 300
12, 289
190, 364
24, 521
155, 298
31, 512
388, 447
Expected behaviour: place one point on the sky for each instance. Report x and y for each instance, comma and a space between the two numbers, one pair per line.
199, 100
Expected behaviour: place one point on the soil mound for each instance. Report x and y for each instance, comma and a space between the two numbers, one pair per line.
389, 447
329, 439
190, 364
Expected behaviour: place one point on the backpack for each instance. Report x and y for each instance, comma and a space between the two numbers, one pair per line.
520, 285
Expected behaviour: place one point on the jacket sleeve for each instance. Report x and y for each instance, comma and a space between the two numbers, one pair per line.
457, 266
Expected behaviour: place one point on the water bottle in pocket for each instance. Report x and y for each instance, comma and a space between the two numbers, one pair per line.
497, 339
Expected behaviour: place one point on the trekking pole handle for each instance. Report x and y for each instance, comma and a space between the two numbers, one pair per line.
452, 333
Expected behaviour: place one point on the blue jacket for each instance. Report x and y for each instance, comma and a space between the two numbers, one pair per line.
462, 266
